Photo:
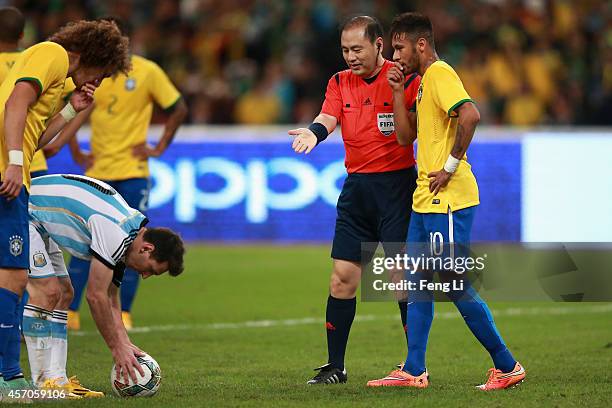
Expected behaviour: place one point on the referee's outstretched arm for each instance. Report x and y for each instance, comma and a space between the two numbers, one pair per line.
307, 138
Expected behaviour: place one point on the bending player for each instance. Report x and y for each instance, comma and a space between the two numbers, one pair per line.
444, 202
120, 118
91, 221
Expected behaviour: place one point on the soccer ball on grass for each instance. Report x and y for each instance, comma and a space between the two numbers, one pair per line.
145, 386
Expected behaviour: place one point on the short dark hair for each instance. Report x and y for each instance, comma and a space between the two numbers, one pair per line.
414, 26
99, 44
373, 28
168, 248
12, 23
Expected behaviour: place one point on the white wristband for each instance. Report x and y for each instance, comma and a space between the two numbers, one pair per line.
15, 157
451, 164
68, 113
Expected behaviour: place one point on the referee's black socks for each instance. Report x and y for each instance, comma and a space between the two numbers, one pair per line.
339, 318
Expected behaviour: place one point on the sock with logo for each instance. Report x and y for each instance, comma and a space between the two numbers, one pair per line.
339, 318
8, 303
10, 346
37, 333
419, 315
59, 340
478, 317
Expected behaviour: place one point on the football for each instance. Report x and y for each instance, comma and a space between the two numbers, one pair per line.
146, 386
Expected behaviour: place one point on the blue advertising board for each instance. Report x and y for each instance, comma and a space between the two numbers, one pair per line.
248, 189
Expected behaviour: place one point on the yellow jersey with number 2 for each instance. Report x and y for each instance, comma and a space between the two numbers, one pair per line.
46, 66
120, 120
440, 93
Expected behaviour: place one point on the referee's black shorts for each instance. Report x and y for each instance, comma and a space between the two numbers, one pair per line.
373, 207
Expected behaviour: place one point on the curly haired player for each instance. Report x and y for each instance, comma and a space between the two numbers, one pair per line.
87, 52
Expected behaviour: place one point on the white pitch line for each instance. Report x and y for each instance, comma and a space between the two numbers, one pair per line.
255, 324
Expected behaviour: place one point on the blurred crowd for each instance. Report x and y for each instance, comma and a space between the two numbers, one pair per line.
525, 62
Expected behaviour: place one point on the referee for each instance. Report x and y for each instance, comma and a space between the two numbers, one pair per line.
376, 198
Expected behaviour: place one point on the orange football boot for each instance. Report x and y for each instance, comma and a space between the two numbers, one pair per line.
400, 378
499, 381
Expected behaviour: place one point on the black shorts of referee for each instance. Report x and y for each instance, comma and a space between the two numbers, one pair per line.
373, 207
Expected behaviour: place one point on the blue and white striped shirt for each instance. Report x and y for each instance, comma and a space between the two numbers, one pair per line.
84, 216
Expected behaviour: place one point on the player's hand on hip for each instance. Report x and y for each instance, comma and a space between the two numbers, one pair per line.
83, 97
304, 140
126, 364
143, 151
438, 180
12, 181
396, 77
83, 159
51, 150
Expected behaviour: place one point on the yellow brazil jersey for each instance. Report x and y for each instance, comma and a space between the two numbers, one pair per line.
46, 65
120, 120
7, 60
440, 93
39, 162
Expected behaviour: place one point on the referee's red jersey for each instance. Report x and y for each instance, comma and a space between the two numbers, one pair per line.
364, 109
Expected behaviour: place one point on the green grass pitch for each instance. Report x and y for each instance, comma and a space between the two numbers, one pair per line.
243, 326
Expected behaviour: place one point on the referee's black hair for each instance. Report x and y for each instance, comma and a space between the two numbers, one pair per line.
414, 26
373, 28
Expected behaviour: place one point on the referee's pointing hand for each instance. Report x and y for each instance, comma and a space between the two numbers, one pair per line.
304, 140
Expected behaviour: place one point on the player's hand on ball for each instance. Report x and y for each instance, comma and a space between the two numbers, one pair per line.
304, 140
126, 364
12, 180
137, 351
438, 180
396, 77
83, 97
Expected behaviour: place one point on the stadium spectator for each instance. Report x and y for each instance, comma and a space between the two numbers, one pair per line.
556, 53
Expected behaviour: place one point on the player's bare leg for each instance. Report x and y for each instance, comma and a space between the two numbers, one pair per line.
345, 279
14, 280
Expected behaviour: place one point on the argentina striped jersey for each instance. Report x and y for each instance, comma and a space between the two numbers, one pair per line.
84, 216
